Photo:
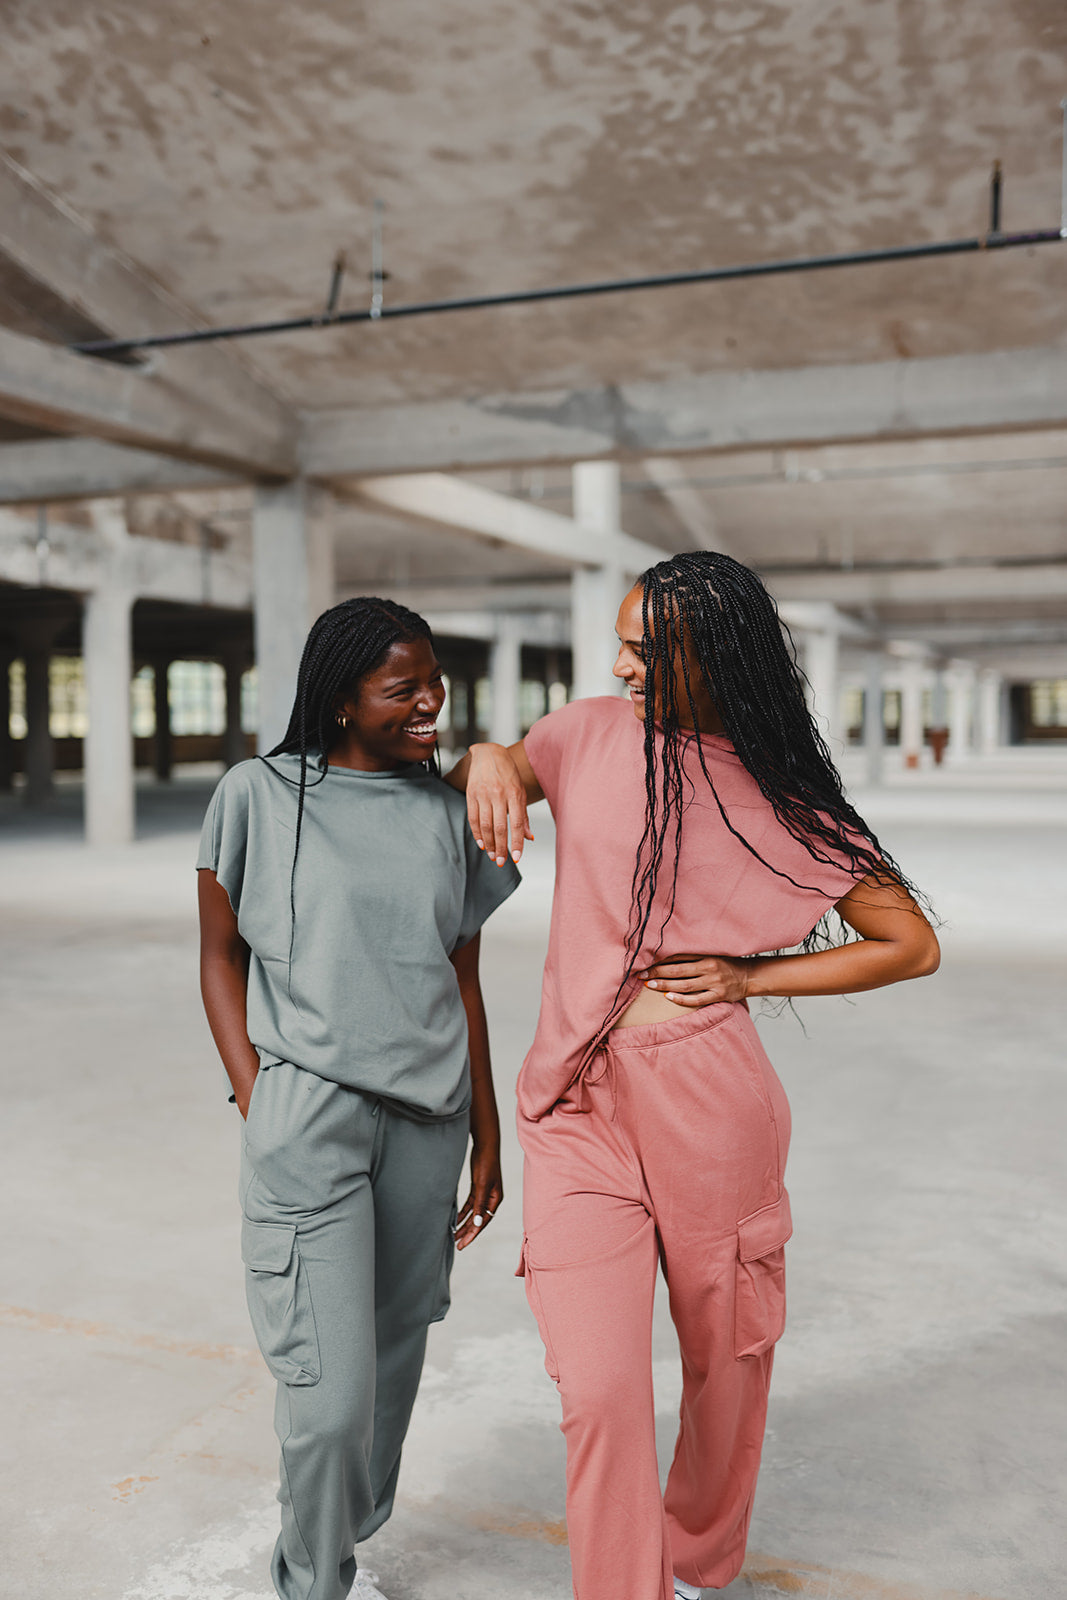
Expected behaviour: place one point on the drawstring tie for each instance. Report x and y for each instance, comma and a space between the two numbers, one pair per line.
593, 1072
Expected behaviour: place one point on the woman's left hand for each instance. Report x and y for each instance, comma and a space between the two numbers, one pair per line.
698, 980
484, 1199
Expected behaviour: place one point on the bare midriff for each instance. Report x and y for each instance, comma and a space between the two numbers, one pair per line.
649, 1005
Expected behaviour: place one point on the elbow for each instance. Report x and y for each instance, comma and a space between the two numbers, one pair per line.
928, 958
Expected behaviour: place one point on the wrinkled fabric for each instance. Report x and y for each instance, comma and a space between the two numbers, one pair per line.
347, 1214
679, 1160
589, 759
388, 884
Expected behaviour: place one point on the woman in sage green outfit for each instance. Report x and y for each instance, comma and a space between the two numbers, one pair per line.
341, 898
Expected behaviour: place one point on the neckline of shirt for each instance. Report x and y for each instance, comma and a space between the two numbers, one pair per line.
414, 769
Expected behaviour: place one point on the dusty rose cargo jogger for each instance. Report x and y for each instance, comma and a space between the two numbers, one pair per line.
604, 1205
663, 1143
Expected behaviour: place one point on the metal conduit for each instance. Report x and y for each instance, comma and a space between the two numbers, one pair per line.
331, 318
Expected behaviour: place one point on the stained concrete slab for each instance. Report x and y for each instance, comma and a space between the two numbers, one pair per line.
914, 1449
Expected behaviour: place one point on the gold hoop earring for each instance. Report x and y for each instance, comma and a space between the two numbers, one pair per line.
342, 720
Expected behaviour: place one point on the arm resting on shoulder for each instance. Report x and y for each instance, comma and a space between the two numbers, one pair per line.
487, 1186
896, 942
224, 986
500, 784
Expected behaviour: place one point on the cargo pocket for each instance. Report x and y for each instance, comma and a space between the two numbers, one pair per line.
759, 1300
533, 1294
443, 1296
279, 1301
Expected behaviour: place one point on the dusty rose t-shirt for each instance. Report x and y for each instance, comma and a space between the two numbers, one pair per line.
589, 759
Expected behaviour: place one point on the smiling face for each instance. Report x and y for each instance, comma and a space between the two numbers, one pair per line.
631, 667
392, 717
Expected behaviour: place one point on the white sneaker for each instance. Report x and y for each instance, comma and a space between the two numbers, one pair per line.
366, 1586
685, 1591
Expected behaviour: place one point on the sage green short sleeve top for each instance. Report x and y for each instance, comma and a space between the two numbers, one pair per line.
389, 882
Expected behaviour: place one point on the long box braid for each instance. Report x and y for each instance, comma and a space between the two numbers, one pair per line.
344, 645
747, 663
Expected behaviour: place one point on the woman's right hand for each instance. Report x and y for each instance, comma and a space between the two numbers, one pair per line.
243, 1095
496, 800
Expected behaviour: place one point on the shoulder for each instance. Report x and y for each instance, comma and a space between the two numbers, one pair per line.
242, 778
231, 792
581, 718
436, 804
259, 786
437, 792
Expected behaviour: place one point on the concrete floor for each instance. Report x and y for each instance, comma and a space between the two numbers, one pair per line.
914, 1449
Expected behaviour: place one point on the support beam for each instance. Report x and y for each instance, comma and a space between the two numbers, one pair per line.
449, 502
155, 569
294, 582
505, 680
690, 508
108, 650
821, 654
911, 711
874, 717
545, 628
233, 738
37, 658
919, 585
7, 753
164, 744
679, 416
817, 616
596, 593
960, 682
468, 599
595, 600
596, 496
241, 423
990, 686
48, 387
80, 469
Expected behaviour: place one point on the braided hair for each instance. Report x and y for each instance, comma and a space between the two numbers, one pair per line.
345, 644
712, 618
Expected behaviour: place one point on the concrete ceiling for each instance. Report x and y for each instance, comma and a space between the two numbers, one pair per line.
229, 148
232, 146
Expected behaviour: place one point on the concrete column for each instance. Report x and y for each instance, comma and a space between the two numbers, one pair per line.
595, 495
989, 717
960, 687
293, 582
874, 718
39, 754
938, 734
7, 754
470, 694
505, 677
911, 711
107, 646
233, 739
164, 753
824, 693
596, 592
1005, 720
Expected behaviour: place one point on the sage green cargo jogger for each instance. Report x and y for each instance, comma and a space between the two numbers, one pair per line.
348, 1207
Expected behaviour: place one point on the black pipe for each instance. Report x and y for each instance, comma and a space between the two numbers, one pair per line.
337, 277
575, 291
995, 188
